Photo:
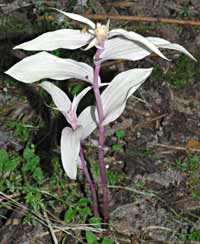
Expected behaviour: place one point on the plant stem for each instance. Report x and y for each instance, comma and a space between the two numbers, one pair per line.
103, 172
90, 182
101, 134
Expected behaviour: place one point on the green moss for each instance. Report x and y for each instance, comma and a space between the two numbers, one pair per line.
183, 73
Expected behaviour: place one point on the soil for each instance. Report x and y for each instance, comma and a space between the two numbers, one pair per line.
154, 203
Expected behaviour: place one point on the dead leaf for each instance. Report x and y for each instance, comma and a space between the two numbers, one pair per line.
192, 144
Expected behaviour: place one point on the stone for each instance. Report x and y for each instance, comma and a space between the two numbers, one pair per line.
147, 219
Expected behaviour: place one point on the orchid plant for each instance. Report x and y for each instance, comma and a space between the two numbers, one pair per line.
110, 44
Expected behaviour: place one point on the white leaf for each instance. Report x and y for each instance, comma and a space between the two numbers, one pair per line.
70, 148
121, 87
162, 43
79, 163
117, 111
64, 38
44, 65
120, 48
87, 121
78, 17
78, 98
59, 97
137, 38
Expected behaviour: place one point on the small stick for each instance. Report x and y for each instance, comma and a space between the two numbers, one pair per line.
51, 229
151, 194
174, 147
131, 18
142, 19
8, 197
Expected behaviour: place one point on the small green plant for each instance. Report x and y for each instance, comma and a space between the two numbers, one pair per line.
22, 174
114, 177
179, 76
185, 11
193, 235
6, 163
196, 195
182, 165
120, 134
92, 238
8, 177
21, 129
191, 166
139, 184
79, 209
31, 166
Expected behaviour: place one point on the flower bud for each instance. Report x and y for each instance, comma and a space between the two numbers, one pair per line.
101, 32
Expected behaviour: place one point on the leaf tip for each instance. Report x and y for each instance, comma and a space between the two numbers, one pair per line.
196, 60
6, 72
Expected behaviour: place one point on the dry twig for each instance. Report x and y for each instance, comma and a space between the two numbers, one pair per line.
143, 19
131, 18
174, 147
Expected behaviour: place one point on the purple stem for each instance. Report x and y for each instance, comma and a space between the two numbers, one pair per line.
90, 182
101, 133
